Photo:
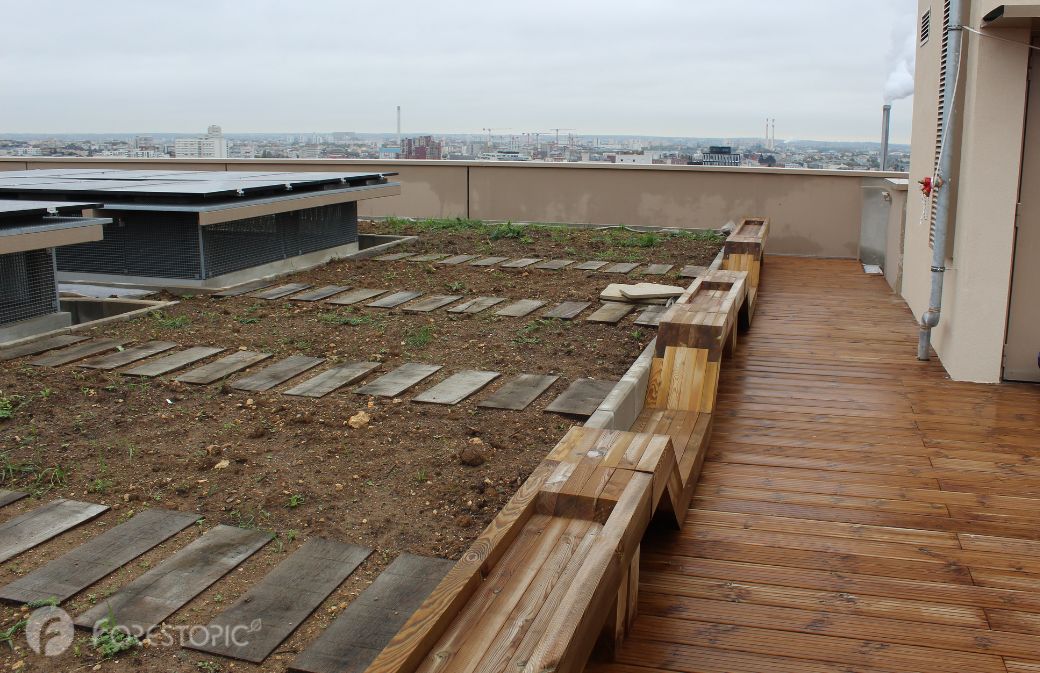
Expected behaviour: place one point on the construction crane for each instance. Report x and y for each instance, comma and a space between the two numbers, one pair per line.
558, 134
489, 133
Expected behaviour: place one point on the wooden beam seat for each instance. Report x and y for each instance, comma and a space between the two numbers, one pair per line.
689, 432
744, 251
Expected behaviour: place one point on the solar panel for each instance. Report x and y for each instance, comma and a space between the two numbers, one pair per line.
21, 208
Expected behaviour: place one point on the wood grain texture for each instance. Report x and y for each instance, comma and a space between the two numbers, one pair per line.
225, 366
394, 256
244, 288
488, 261
657, 269
333, 379
399, 380
456, 387
77, 352
457, 259
610, 312
41, 524
278, 373
320, 293
621, 267
519, 309
432, 303
521, 263
280, 291
127, 356
519, 392
582, 397
7, 497
394, 299
591, 265
567, 310
355, 296
476, 305
40, 346
172, 363
554, 264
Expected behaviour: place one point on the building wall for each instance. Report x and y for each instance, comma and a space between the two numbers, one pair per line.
970, 336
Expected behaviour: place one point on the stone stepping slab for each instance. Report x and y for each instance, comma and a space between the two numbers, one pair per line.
456, 387
40, 346
394, 256
333, 379
651, 316
582, 397
610, 312
223, 367
621, 267
77, 352
399, 380
554, 264
125, 357
278, 373
320, 293
283, 599
520, 308
244, 288
160, 592
593, 265
355, 296
395, 299
458, 259
92, 561
567, 310
7, 497
361, 631
476, 305
488, 261
173, 362
432, 303
280, 291
657, 269
691, 271
521, 263
519, 392
41, 524
428, 257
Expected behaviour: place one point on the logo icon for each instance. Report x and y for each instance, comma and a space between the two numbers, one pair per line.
49, 631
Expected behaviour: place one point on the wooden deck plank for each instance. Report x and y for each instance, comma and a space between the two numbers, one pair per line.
158, 593
320, 293
394, 256
591, 265
520, 263
428, 257
7, 497
693, 271
657, 269
399, 380
456, 387
280, 291
333, 379
567, 310
244, 288
355, 296
457, 259
610, 313
650, 316
432, 303
284, 598
394, 299
278, 373
223, 367
79, 351
488, 261
358, 634
171, 363
519, 309
40, 346
554, 264
621, 267
582, 397
41, 524
128, 356
476, 305
93, 560
519, 392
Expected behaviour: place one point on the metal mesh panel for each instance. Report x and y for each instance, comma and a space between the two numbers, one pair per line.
27, 287
233, 246
160, 245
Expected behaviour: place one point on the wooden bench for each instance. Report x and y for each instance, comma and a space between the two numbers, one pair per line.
744, 251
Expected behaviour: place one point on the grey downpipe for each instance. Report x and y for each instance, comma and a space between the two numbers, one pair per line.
942, 200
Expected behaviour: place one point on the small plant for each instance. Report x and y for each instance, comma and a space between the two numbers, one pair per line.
342, 319
295, 501
43, 603
172, 322
208, 666
6, 407
7, 635
420, 476
109, 640
291, 534
419, 338
100, 486
247, 320
510, 230
456, 286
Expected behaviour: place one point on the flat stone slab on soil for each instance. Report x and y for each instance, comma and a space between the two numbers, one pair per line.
244, 288
93, 560
610, 313
283, 599
519, 392
567, 310
592, 265
394, 256
166, 588
278, 373
432, 303
355, 296
41, 524
280, 291
657, 269
519, 309
488, 261
399, 380
34, 347
223, 367
582, 397
554, 264
456, 387
691, 271
476, 305
457, 259
361, 631
7, 497
621, 267
77, 352
395, 299
320, 293
429, 257
127, 356
333, 379
521, 263
172, 363
650, 316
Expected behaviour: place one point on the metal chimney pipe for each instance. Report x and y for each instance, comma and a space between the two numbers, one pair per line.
886, 119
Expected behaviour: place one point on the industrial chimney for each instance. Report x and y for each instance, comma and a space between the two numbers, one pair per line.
399, 126
886, 117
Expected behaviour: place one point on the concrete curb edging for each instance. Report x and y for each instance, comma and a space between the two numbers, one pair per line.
622, 406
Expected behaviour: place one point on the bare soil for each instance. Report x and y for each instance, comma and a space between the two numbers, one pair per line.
294, 466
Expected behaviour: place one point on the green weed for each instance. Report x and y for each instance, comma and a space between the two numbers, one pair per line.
171, 322
109, 640
420, 337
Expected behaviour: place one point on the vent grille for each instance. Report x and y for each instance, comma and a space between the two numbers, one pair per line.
27, 282
926, 26
941, 123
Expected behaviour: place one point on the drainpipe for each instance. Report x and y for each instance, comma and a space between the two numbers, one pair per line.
943, 173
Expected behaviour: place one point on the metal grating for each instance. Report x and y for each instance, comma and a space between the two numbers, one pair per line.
158, 245
926, 26
941, 123
27, 287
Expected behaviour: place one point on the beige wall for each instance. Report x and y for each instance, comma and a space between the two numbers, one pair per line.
970, 337
813, 213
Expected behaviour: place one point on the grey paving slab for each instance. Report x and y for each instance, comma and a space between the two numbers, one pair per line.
432, 303
320, 293
554, 264
41, 524
225, 366
610, 312
428, 257
621, 267
394, 256
488, 261
172, 363
567, 310
650, 316
519, 309
355, 296
333, 379
457, 259
521, 263
456, 387
657, 269
519, 392
280, 291
582, 397
77, 352
593, 265
244, 288
7, 497
40, 346
127, 356
476, 305
399, 380
395, 299
278, 373
691, 271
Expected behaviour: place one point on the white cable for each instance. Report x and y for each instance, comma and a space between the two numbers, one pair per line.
946, 123
997, 37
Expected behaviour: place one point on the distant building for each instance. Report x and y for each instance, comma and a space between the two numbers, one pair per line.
389, 152
504, 155
720, 156
211, 146
423, 147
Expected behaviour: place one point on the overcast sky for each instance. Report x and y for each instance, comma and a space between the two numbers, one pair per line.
655, 67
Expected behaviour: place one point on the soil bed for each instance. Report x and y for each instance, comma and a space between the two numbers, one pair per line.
294, 466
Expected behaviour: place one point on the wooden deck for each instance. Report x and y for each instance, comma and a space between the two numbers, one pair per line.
857, 510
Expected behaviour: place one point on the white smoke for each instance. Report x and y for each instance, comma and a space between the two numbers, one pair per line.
901, 61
